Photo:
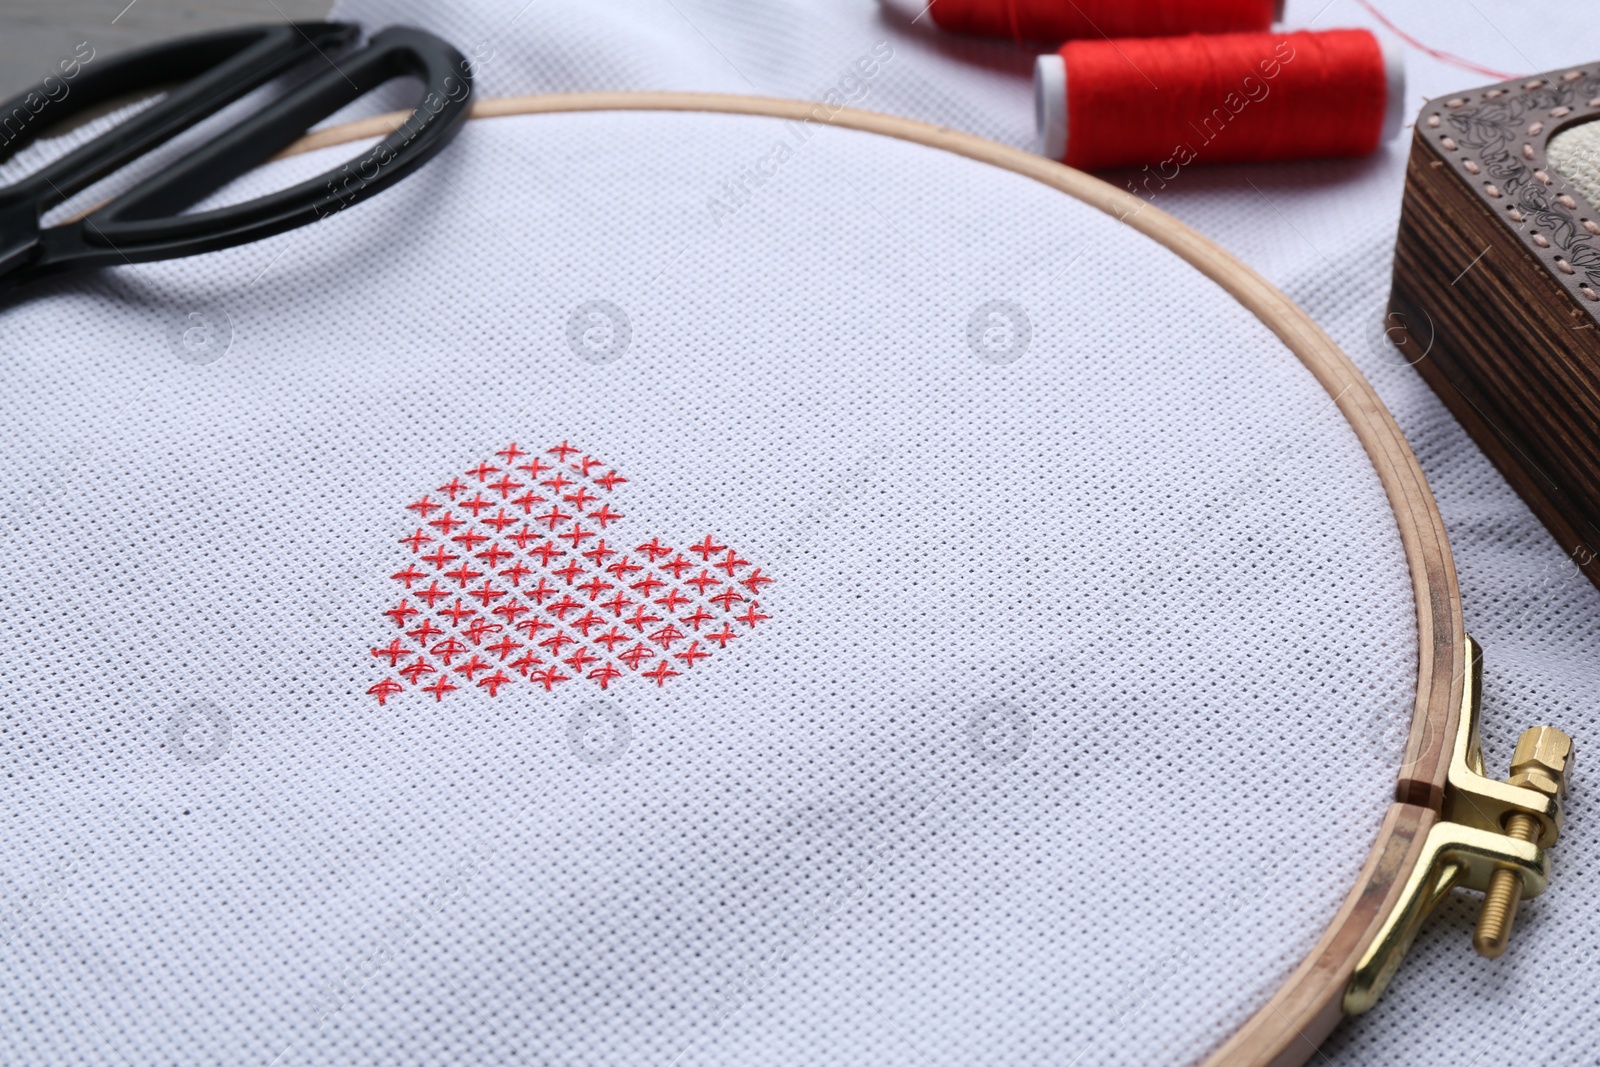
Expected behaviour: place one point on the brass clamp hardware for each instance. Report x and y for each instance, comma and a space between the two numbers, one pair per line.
1491, 837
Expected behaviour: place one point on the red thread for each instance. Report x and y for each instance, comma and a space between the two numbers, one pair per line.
394, 650
439, 557
1231, 98
440, 687
662, 672
1062, 20
1437, 53
691, 655
486, 536
424, 633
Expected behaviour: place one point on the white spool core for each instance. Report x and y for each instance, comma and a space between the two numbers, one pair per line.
1050, 105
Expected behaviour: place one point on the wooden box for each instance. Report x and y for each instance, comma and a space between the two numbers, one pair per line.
1496, 291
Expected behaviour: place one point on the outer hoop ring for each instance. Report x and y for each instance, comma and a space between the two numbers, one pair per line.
1304, 1010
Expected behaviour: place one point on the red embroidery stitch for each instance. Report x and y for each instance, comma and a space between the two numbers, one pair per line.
433, 593
700, 583
447, 522
471, 667
504, 486
478, 629
401, 613
503, 647
394, 650
485, 527
457, 611
409, 575
516, 572
623, 567
416, 670
439, 688
424, 633
439, 557
612, 638
707, 548
571, 572
549, 678
636, 655
500, 520
655, 549
555, 518
692, 654
662, 672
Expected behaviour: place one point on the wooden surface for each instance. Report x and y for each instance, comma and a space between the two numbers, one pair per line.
1497, 278
36, 34
1283, 1031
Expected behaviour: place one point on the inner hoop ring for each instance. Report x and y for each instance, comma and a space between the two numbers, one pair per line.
1304, 1010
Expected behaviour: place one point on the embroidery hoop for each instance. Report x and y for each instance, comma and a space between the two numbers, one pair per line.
1302, 1012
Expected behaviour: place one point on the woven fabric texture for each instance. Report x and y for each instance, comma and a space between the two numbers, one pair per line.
1576, 153
1062, 547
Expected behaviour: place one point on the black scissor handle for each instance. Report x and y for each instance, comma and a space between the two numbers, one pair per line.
143, 223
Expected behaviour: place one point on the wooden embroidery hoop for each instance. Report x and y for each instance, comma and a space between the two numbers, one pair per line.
1304, 1010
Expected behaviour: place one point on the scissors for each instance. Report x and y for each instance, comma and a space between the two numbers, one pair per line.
145, 222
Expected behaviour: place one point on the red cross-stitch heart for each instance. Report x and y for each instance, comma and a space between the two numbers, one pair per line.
496, 589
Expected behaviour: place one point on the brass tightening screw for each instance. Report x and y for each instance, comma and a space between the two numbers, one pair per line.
1542, 761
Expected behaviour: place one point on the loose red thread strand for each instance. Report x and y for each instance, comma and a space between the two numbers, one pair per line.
442, 656
1063, 20
1227, 98
1437, 53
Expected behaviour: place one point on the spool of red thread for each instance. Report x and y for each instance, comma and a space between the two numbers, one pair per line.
1228, 98
1066, 20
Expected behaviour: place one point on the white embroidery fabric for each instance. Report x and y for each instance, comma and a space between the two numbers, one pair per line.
984, 788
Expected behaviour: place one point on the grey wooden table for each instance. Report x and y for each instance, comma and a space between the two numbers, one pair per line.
35, 35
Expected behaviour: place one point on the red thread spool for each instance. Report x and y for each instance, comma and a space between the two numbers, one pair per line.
1229, 98
1065, 20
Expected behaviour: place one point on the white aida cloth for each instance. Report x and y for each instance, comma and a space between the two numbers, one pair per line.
1061, 545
